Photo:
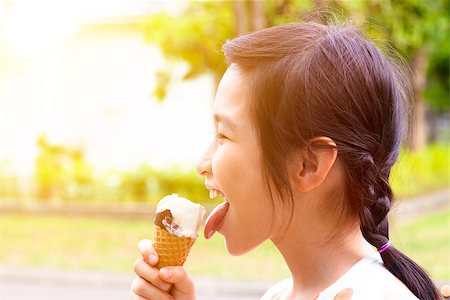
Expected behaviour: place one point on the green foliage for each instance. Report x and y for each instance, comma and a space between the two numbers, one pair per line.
410, 24
195, 37
9, 182
70, 178
162, 84
409, 27
149, 184
62, 172
186, 184
282, 12
420, 172
437, 91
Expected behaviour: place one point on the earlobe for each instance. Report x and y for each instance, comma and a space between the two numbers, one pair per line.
314, 163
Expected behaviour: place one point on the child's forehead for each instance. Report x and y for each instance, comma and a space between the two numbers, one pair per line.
231, 99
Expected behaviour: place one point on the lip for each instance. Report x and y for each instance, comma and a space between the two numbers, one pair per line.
210, 186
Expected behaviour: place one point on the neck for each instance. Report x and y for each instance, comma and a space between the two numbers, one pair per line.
319, 253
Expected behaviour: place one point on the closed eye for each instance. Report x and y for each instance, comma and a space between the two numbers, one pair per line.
220, 136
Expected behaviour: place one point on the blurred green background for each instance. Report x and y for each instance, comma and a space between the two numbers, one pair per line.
107, 107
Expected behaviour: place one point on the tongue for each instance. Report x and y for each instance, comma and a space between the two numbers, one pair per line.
214, 221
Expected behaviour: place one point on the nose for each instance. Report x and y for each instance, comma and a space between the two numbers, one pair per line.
204, 165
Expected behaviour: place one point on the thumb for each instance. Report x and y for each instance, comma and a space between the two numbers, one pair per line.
183, 286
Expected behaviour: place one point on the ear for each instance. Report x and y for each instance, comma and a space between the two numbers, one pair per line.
314, 163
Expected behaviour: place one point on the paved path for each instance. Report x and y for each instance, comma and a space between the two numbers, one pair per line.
52, 284
408, 210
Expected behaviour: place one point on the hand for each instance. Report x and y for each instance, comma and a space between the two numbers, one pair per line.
151, 283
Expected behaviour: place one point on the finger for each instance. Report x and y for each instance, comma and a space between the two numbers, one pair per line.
148, 252
150, 274
146, 290
181, 280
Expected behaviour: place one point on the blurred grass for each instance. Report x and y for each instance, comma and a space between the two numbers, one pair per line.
419, 172
427, 241
110, 245
106, 244
69, 242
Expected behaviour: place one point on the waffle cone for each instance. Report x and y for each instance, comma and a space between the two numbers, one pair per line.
172, 250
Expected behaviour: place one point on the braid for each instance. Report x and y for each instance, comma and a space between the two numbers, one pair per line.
376, 196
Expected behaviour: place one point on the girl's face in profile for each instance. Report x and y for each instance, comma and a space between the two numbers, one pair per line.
232, 165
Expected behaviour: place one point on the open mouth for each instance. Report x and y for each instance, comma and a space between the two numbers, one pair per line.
215, 219
214, 193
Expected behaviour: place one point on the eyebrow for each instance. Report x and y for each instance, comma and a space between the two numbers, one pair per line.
225, 120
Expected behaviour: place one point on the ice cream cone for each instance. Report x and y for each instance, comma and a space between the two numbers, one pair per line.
172, 250
176, 223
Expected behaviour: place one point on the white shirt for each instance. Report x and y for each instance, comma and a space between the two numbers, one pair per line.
368, 279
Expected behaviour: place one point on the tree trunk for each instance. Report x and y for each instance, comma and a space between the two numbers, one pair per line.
257, 15
241, 17
416, 137
250, 16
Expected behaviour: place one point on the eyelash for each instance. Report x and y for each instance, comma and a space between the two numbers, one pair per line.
218, 136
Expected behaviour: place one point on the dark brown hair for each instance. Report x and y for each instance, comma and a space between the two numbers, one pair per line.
309, 80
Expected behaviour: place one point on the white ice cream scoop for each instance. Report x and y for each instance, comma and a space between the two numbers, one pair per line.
179, 216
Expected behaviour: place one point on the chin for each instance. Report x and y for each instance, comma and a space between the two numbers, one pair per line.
235, 251
235, 248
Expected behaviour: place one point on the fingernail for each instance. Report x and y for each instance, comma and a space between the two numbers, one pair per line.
166, 273
152, 259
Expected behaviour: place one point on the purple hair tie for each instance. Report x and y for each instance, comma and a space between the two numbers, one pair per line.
384, 247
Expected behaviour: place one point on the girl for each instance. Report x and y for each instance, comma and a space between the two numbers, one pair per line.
308, 123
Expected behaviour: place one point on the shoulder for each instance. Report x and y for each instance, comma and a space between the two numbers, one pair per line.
277, 290
384, 283
369, 279
390, 287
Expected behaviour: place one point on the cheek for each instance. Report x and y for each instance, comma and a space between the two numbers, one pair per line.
249, 219
247, 225
236, 171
